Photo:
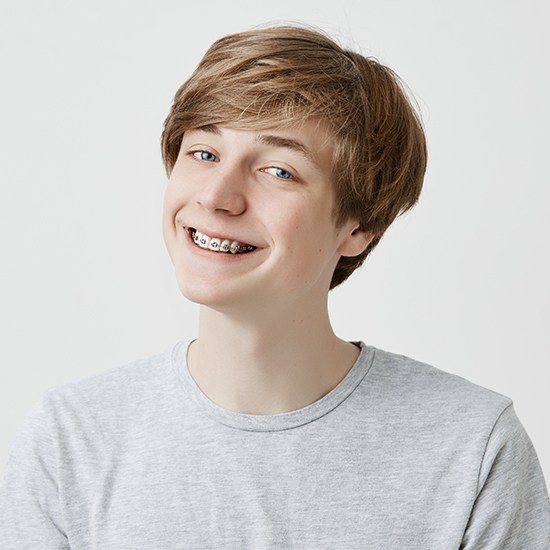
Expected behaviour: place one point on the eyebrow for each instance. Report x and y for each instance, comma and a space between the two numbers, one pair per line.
270, 140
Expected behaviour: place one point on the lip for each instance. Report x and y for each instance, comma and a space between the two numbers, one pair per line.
221, 256
218, 235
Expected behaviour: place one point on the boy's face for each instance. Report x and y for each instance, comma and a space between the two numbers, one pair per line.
270, 191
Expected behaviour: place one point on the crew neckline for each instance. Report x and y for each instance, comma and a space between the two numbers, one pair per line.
272, 422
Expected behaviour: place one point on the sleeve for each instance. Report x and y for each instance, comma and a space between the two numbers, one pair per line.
512, 509
31, 516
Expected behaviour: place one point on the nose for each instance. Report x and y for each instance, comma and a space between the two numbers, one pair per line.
224, 191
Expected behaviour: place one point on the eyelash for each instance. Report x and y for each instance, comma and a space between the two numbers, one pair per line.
199, 156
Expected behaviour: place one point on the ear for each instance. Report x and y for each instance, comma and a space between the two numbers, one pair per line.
355, 240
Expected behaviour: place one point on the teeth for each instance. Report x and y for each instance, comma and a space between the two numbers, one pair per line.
218, 245
204, 240
214, 244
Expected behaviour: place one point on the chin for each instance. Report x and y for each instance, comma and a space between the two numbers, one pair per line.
214, 296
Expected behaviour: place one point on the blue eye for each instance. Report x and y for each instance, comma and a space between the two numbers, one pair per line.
279, 173
205, 155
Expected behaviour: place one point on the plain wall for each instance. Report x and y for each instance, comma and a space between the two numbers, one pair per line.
86, 284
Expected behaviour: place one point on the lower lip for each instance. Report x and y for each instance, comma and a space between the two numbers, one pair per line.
221, 256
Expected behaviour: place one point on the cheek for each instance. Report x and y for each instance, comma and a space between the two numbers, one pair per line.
173, 200
170, 206
168, 213
309, 245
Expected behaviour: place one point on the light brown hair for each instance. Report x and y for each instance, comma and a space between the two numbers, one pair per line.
284, 75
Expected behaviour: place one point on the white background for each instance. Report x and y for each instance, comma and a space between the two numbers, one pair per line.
86, 285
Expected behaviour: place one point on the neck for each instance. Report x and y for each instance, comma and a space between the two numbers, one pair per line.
268, 365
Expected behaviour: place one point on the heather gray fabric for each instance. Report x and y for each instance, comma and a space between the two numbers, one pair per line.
399, 455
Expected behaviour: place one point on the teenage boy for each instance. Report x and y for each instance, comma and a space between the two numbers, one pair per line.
288, 157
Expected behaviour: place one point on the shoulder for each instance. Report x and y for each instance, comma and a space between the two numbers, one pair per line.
421, 382
422, 394
120, 381
119, 395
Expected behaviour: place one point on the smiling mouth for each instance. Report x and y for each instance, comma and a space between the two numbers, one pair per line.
216, 244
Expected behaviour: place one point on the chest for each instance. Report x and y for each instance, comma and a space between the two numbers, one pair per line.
273, 491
